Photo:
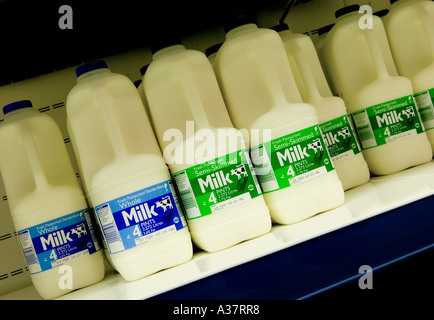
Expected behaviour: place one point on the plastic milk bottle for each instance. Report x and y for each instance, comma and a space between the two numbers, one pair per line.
337, 130
48, 208
128, 182
380, 102
410, 30
292, 163
208, 158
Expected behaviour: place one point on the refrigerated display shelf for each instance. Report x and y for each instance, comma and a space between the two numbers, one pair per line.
385, 220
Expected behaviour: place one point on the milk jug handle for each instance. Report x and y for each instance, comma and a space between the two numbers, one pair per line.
193, 98
428, 27
271, 80
376, 54
309, 82
41, 182
114, 132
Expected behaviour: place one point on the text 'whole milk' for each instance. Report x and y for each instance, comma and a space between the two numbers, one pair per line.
410, 30
208, 158
126, 177
380, 102
337, 130
289, 154
48, 207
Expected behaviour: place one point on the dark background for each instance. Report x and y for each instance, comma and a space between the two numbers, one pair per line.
31, 42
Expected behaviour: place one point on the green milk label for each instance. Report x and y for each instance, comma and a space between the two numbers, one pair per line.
340, 138
425, 106
291, 159
386, 122
217, 184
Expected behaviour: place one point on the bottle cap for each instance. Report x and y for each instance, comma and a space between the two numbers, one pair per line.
17, 105
87, 67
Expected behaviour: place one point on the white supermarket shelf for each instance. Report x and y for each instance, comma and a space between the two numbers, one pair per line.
380, 195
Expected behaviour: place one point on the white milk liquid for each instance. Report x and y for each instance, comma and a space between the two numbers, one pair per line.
380, 102
127, 179
47, 204
222, 201
85, 189
294, 168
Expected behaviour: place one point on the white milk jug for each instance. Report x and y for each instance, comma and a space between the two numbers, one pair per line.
208, 158
410, 29
48, 208
380, 102
337, 130
127, 180
294, 168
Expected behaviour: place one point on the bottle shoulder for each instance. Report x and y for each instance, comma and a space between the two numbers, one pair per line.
176, 58
99, 80
26, 116
256, 35
88, 86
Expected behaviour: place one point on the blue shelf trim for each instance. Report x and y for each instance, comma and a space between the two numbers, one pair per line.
323, 262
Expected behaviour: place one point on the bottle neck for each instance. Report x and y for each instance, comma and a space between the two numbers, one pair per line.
168, 51
240, 30
92, 73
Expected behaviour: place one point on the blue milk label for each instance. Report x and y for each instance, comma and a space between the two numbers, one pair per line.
140, 217
58, 241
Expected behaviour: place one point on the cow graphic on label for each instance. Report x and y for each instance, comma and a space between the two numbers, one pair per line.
242, 175
346, 136
81, 233
166, 204
410, 115
316, 146
80, 230
240, 172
